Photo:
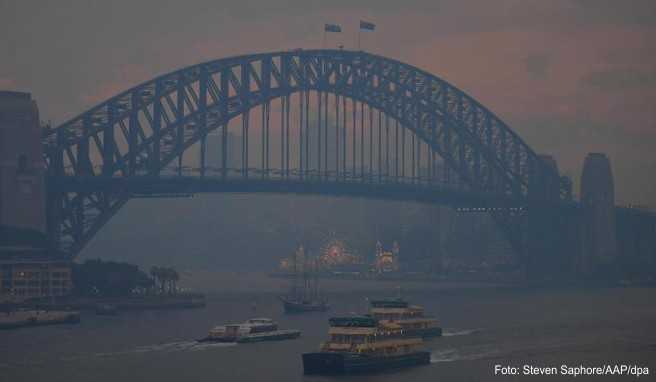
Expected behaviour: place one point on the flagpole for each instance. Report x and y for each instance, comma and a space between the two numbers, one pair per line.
359, 31
367, 26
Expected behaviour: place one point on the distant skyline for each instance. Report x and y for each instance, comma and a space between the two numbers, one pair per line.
569, 76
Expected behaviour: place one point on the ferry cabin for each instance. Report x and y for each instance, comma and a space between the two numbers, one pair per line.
410, 317
382, 340
394, 313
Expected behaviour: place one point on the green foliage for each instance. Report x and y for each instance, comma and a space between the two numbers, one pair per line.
109, 278
167, 279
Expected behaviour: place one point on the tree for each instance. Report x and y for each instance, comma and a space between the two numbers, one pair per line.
107, 278
167, 278
174, 277
158, 276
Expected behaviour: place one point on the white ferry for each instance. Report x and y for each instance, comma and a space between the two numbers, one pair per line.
253, 330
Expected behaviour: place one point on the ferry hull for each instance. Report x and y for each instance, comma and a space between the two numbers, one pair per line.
278, 335
217, 339
275, 335
325, 363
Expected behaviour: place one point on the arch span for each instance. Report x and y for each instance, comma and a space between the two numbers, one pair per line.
141, 130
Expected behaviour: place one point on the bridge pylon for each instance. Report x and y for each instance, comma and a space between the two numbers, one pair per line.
550, 234
599, 241
22, 181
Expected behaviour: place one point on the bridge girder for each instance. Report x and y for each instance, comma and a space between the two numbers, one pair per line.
141, 130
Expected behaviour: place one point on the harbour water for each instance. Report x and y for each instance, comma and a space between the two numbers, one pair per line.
483, 326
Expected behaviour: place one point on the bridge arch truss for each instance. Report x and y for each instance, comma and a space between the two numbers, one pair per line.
139, 132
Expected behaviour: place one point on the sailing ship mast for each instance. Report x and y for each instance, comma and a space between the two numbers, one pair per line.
306, 299
306, 282
293, 288
315, 286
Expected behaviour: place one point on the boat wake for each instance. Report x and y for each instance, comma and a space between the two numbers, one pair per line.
451, 355
181, 346
170, 347
457, 332
447, 355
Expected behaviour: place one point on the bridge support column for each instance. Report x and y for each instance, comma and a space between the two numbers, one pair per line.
22, 180
550, 237
599, 243
636, 242
551, 243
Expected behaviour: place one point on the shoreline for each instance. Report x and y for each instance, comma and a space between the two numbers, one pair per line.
30, 318
181, 301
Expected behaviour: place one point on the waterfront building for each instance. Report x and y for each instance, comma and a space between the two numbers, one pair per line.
21, 280
29, 268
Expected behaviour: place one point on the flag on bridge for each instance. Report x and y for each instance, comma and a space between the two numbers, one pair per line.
367, 26
332, 28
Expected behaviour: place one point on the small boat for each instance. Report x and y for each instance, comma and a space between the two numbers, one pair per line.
226, 333
410, 318
299, 305
231, 332
305, 298
363, 345
106, 310
253, 330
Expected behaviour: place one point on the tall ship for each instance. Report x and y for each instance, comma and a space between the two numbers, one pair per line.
410, 318
364, 344
303, 294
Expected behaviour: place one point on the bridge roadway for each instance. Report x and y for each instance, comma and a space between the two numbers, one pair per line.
370, 186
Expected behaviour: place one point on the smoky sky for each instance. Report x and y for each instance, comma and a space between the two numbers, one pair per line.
570, 76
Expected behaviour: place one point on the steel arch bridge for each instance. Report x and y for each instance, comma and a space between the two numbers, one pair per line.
127, 144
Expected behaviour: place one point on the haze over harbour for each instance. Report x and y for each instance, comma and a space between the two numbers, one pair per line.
311, 191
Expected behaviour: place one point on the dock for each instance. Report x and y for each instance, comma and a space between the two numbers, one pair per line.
18, 319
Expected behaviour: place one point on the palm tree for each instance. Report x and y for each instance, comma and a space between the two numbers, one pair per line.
159, 275
167, 277
153, 274
174, 277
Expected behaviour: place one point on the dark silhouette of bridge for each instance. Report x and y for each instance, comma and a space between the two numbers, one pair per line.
330, 122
